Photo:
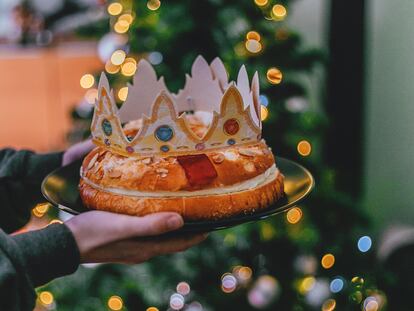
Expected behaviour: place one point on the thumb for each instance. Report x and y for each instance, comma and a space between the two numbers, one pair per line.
153, 224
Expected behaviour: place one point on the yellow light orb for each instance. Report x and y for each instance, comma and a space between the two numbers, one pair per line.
329, 305
118, 57
357, 281
253, 46
306, 284
253, 35
261, 2
279, 12
274, 75
123, 93
111, 68
152, 309
264, 112
328, 261
55, 221
115, 303
129, 67
115, 8
304, 148
245, 273
46, 298
40, 210
294, 215
121, 26
127, 17
153, 5
87, 81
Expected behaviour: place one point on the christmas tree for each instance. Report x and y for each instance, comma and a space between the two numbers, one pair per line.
317, 255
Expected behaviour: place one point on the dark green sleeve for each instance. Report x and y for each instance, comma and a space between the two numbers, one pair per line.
21, 174
32, 259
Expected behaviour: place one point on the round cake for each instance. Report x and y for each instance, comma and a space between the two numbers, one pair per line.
211, 185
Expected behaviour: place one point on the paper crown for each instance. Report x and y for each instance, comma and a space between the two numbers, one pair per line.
234, 112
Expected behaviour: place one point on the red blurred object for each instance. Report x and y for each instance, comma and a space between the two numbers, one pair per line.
198, 169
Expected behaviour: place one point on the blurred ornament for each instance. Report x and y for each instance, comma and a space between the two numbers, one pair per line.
364, 244
176, 301
228, 283
274, 75
115, 8
153, 5
296, 104
110, 43
155, 58
115, 303
357, 282
253, 46
318, 294
306, 264
329, 305
327, 261
278, 12
304, 148
337, 285
265, 290
356, 297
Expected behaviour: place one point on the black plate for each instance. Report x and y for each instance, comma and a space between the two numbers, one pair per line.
61, 189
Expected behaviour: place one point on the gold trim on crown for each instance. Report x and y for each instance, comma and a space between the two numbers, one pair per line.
164, 129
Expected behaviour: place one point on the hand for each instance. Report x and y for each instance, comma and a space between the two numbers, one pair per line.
108, 237
77, 151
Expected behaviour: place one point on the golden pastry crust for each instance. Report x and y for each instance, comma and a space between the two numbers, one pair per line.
234, 165
191, 208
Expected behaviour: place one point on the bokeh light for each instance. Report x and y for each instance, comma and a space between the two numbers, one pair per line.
264, 100
336, 285
279, 12
55, 221
294, 215
91, 95
176, 301
370, 304
183, 288
155, 58
243, 274
264, 112
306, 284
115, 303
111, 68
261, 2
127, 17
123, 93
115, 8
40, 210
46, 298
118, 57
253, 46
129, 67
328, 260
153, 4
329, 305
357, 281
87, 81
304, 148
121, 26
228, 283
364, 244
152, 309
274, 75
253, 35
356, 297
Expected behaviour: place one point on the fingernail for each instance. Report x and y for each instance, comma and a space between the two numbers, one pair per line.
174, 222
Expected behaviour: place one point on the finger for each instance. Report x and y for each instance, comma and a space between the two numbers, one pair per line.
153, 224
138, 250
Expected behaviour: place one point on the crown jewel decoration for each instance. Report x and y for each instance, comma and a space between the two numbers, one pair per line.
233, 110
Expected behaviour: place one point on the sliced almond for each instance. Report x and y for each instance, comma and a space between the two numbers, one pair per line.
247, 152
92, 161
249, 167
96, 168
218, 158
162, 170
114, 173
146, 160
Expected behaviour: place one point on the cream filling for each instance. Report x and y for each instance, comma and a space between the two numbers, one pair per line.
269, 175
